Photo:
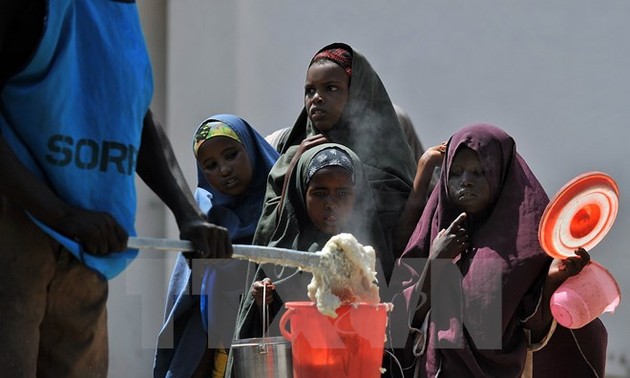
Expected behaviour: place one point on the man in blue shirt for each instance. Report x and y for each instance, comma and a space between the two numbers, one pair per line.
75, 127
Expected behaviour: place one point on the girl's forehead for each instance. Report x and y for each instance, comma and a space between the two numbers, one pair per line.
465, 154
333, 173
325, 69
333, 170
217, 145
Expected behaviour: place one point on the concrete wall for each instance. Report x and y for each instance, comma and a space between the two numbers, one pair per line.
553, 74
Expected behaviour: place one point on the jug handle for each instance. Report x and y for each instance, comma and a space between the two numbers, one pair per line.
283, 323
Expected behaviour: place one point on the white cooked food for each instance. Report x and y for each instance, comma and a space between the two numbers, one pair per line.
346, 275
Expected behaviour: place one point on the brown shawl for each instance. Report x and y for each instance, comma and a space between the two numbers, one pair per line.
502, 271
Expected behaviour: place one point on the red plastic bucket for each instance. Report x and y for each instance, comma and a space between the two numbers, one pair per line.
350, 345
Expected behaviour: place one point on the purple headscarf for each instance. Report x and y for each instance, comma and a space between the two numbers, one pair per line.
501, 270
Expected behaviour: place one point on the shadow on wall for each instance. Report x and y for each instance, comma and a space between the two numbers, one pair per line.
622, 360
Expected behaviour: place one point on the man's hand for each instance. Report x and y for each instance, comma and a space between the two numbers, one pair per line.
210, 240
98, 233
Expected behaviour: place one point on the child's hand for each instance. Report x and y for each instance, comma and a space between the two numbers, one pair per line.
430, 159
560, 270
450, 242
310, 142
258, 287
306, 144
433, 156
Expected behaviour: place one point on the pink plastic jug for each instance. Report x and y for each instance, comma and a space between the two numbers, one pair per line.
350, 345
582, 298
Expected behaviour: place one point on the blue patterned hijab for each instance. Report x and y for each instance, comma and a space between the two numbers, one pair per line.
239, 214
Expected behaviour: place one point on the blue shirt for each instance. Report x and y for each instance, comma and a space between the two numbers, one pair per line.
74, 114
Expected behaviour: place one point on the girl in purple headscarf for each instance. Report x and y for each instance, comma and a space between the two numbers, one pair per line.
483, 300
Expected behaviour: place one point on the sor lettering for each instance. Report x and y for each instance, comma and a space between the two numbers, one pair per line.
89, 154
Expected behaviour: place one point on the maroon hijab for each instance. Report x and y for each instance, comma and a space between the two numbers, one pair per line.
501, 272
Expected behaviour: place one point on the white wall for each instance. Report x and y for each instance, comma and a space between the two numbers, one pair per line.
552, 73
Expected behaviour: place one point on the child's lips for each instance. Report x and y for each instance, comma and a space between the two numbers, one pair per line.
466, 194
231, 182
317, 112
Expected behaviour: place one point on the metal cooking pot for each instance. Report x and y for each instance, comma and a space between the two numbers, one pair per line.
268, 357
262, 357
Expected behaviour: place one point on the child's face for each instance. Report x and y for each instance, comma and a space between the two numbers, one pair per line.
225, 165
468, 187
330, 199
325, 93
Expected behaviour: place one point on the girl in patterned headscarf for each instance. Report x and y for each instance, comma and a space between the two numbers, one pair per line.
326, 195
320, 200
233, 163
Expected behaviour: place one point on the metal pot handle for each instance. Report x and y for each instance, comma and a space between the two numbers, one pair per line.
265, 316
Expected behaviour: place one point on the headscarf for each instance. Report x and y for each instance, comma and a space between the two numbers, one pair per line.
295, 230
504, 241
209, 129
329, 157
338, 55
239, 214
368, 126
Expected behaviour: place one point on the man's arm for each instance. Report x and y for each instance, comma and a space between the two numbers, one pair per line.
159, 169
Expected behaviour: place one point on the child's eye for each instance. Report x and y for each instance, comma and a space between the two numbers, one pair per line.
231, 155
479, 172
333, 88
309, 92
210, 166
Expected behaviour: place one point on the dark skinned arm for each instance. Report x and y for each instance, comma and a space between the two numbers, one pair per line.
446, 245
418, 197
558, 272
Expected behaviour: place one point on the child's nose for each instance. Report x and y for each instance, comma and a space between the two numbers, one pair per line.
466, 179
330, 203
225, 170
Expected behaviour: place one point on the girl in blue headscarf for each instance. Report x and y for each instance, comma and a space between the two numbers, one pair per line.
233, 161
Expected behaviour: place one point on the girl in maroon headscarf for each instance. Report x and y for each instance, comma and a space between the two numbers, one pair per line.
485, 297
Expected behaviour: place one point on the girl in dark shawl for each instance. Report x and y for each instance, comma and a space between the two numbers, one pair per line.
367, 124
490, 279
236, 205
296, 230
